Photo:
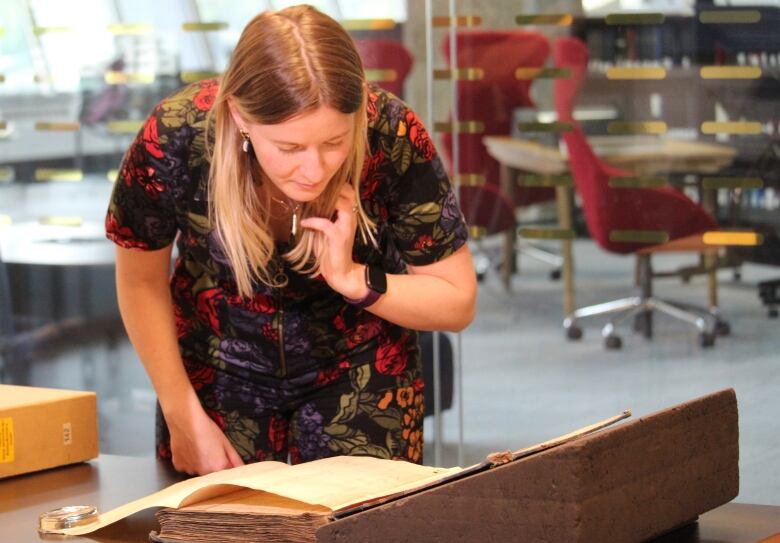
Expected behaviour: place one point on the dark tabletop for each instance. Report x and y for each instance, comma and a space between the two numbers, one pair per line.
111, 481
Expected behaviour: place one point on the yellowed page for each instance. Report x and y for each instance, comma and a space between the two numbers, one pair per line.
341, 481
176, 495
334, 483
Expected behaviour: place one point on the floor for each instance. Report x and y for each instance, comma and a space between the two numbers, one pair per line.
524, 383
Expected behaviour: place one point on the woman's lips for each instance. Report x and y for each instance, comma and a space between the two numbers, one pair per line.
305, 186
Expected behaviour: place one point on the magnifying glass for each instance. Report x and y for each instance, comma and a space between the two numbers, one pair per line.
66, 517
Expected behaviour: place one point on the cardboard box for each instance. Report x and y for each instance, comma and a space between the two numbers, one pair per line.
43, 428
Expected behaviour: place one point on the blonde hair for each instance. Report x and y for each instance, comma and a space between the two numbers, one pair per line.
285, 63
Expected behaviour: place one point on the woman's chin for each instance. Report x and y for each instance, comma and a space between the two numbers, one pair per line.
301, 192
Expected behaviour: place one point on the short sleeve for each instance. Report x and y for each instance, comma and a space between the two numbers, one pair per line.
141, 213
423, 214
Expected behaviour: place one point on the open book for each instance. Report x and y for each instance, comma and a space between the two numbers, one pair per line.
273, 501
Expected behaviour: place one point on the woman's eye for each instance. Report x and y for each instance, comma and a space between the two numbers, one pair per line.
289, 150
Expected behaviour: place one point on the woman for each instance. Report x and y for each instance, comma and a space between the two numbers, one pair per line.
315, 230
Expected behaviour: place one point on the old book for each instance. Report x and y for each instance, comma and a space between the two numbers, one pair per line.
251, 515
628, 483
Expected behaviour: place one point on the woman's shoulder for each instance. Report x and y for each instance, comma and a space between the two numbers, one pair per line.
393, 125
189, 105
385, 111
177, 127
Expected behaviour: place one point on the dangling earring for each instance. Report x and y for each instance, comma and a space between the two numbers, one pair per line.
246, 146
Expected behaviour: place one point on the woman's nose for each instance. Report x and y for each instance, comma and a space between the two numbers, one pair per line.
312, 168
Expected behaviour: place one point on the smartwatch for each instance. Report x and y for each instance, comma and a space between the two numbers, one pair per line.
376, 281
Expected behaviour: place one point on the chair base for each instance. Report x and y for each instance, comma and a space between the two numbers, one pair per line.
769, 292
707, 322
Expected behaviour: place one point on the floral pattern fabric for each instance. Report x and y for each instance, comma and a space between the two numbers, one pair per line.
291, 370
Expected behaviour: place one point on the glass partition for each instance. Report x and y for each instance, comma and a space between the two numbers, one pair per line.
617, 163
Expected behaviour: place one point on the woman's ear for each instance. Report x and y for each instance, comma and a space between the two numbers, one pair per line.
237, 118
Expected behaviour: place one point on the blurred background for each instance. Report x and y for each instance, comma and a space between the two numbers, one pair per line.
617, 162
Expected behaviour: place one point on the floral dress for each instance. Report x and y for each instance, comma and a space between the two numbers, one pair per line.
294, 372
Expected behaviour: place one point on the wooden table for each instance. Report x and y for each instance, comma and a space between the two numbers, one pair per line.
110, 481
107, 482
642, 155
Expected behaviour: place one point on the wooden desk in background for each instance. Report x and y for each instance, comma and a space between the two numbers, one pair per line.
110, 481
642, 155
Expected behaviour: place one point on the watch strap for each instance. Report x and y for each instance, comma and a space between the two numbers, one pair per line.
365, 301
371, 297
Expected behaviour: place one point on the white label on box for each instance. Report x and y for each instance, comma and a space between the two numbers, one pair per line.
67, 434
6, 440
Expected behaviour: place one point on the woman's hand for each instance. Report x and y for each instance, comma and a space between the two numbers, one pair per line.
336, 265
198, 446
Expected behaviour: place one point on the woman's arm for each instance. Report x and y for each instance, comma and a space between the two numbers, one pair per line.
439, 296
197, 444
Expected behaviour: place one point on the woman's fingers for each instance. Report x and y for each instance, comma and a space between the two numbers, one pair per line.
234, 460
325, 226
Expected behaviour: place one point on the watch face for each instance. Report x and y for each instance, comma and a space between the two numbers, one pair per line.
376, 278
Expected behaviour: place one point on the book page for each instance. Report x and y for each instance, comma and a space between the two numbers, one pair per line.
333, 483
176, 495
342, 481
256, 502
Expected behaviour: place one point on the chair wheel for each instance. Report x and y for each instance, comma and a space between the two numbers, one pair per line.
574, 333
480, 277
613, 342
555, 274
772, 314
722, 328
706, 340
685, 278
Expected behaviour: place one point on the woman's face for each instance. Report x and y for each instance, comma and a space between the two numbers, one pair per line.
302, 154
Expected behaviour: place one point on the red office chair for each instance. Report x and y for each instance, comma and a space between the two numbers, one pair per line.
608, 210
491, 100
387, 56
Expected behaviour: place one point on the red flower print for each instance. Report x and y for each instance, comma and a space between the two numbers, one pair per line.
122, 235
206, 95
371, 110
270, 332
295, 455
200, 375
391, 358
183, 325
418, 135
181, 287
371, 176
331, 374
363, 332
217, 418
163, 451
327, 376
259, 303
339, 323
277, 433
206, 305
423, 242
151, 139
418, 385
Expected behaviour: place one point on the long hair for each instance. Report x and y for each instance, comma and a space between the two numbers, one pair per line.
286, 63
